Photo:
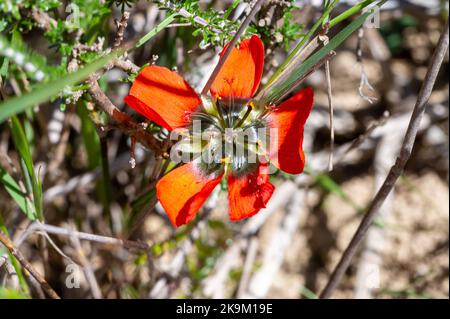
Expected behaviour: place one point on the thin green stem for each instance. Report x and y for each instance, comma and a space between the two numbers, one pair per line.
353, 10
26, 177
162, 25
296, 63
305, 38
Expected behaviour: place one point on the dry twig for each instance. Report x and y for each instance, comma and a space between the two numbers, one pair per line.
129, 244
26, 265
396, 170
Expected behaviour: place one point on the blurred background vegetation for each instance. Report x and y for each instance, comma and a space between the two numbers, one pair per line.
65, 163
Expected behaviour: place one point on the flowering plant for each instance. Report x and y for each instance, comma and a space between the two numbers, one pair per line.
227, 134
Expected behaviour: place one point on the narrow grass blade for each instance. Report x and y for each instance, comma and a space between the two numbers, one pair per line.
161, 26
281, 88
32, 180
13, 189
45, 91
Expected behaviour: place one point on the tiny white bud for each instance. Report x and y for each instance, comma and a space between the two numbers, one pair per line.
278, 37
9, 52
19, 58
39, 75
132, 162
29, 67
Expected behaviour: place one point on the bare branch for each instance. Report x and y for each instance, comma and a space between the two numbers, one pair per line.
330, 105
129, 244
26, 265
396, 170
121, 26
126, 66
125, 122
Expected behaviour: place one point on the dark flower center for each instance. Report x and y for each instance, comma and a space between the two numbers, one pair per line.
230, 135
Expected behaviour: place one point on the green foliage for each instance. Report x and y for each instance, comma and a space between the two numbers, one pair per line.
22, 58
87, 18
21, 199
9, 293
91, 139
87, 23
280, 35
32, 179
45, 91
279, 89
163, 24
212, 26
12, 13
392, 31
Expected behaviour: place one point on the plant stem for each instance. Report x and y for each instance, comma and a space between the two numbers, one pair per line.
397, 169
282, 88
106, 180
25, 264
14, 262
291, 60
348, 13
305, 38
162, 25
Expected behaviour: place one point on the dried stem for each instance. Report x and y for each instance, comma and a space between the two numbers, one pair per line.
252, 249
284, 74
128, 244
330, 105
396, 170
26, 265
314, 68
126, 66
121, 26
124, 121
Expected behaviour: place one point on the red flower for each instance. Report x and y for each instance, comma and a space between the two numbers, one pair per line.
165, 98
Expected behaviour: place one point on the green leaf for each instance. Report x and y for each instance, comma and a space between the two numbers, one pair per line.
45, 91
4, 67
21, 143
17, 195
9, 293
32, 180
161, 26
231, 8
281, 88
351, 11
308, 293
330, 185
305, 38
91, 139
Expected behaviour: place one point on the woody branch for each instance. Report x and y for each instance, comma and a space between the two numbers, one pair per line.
397, 169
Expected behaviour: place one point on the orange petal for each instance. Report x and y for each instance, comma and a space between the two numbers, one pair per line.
163, 97
249, 193
286, 124
183, 191
239, 77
